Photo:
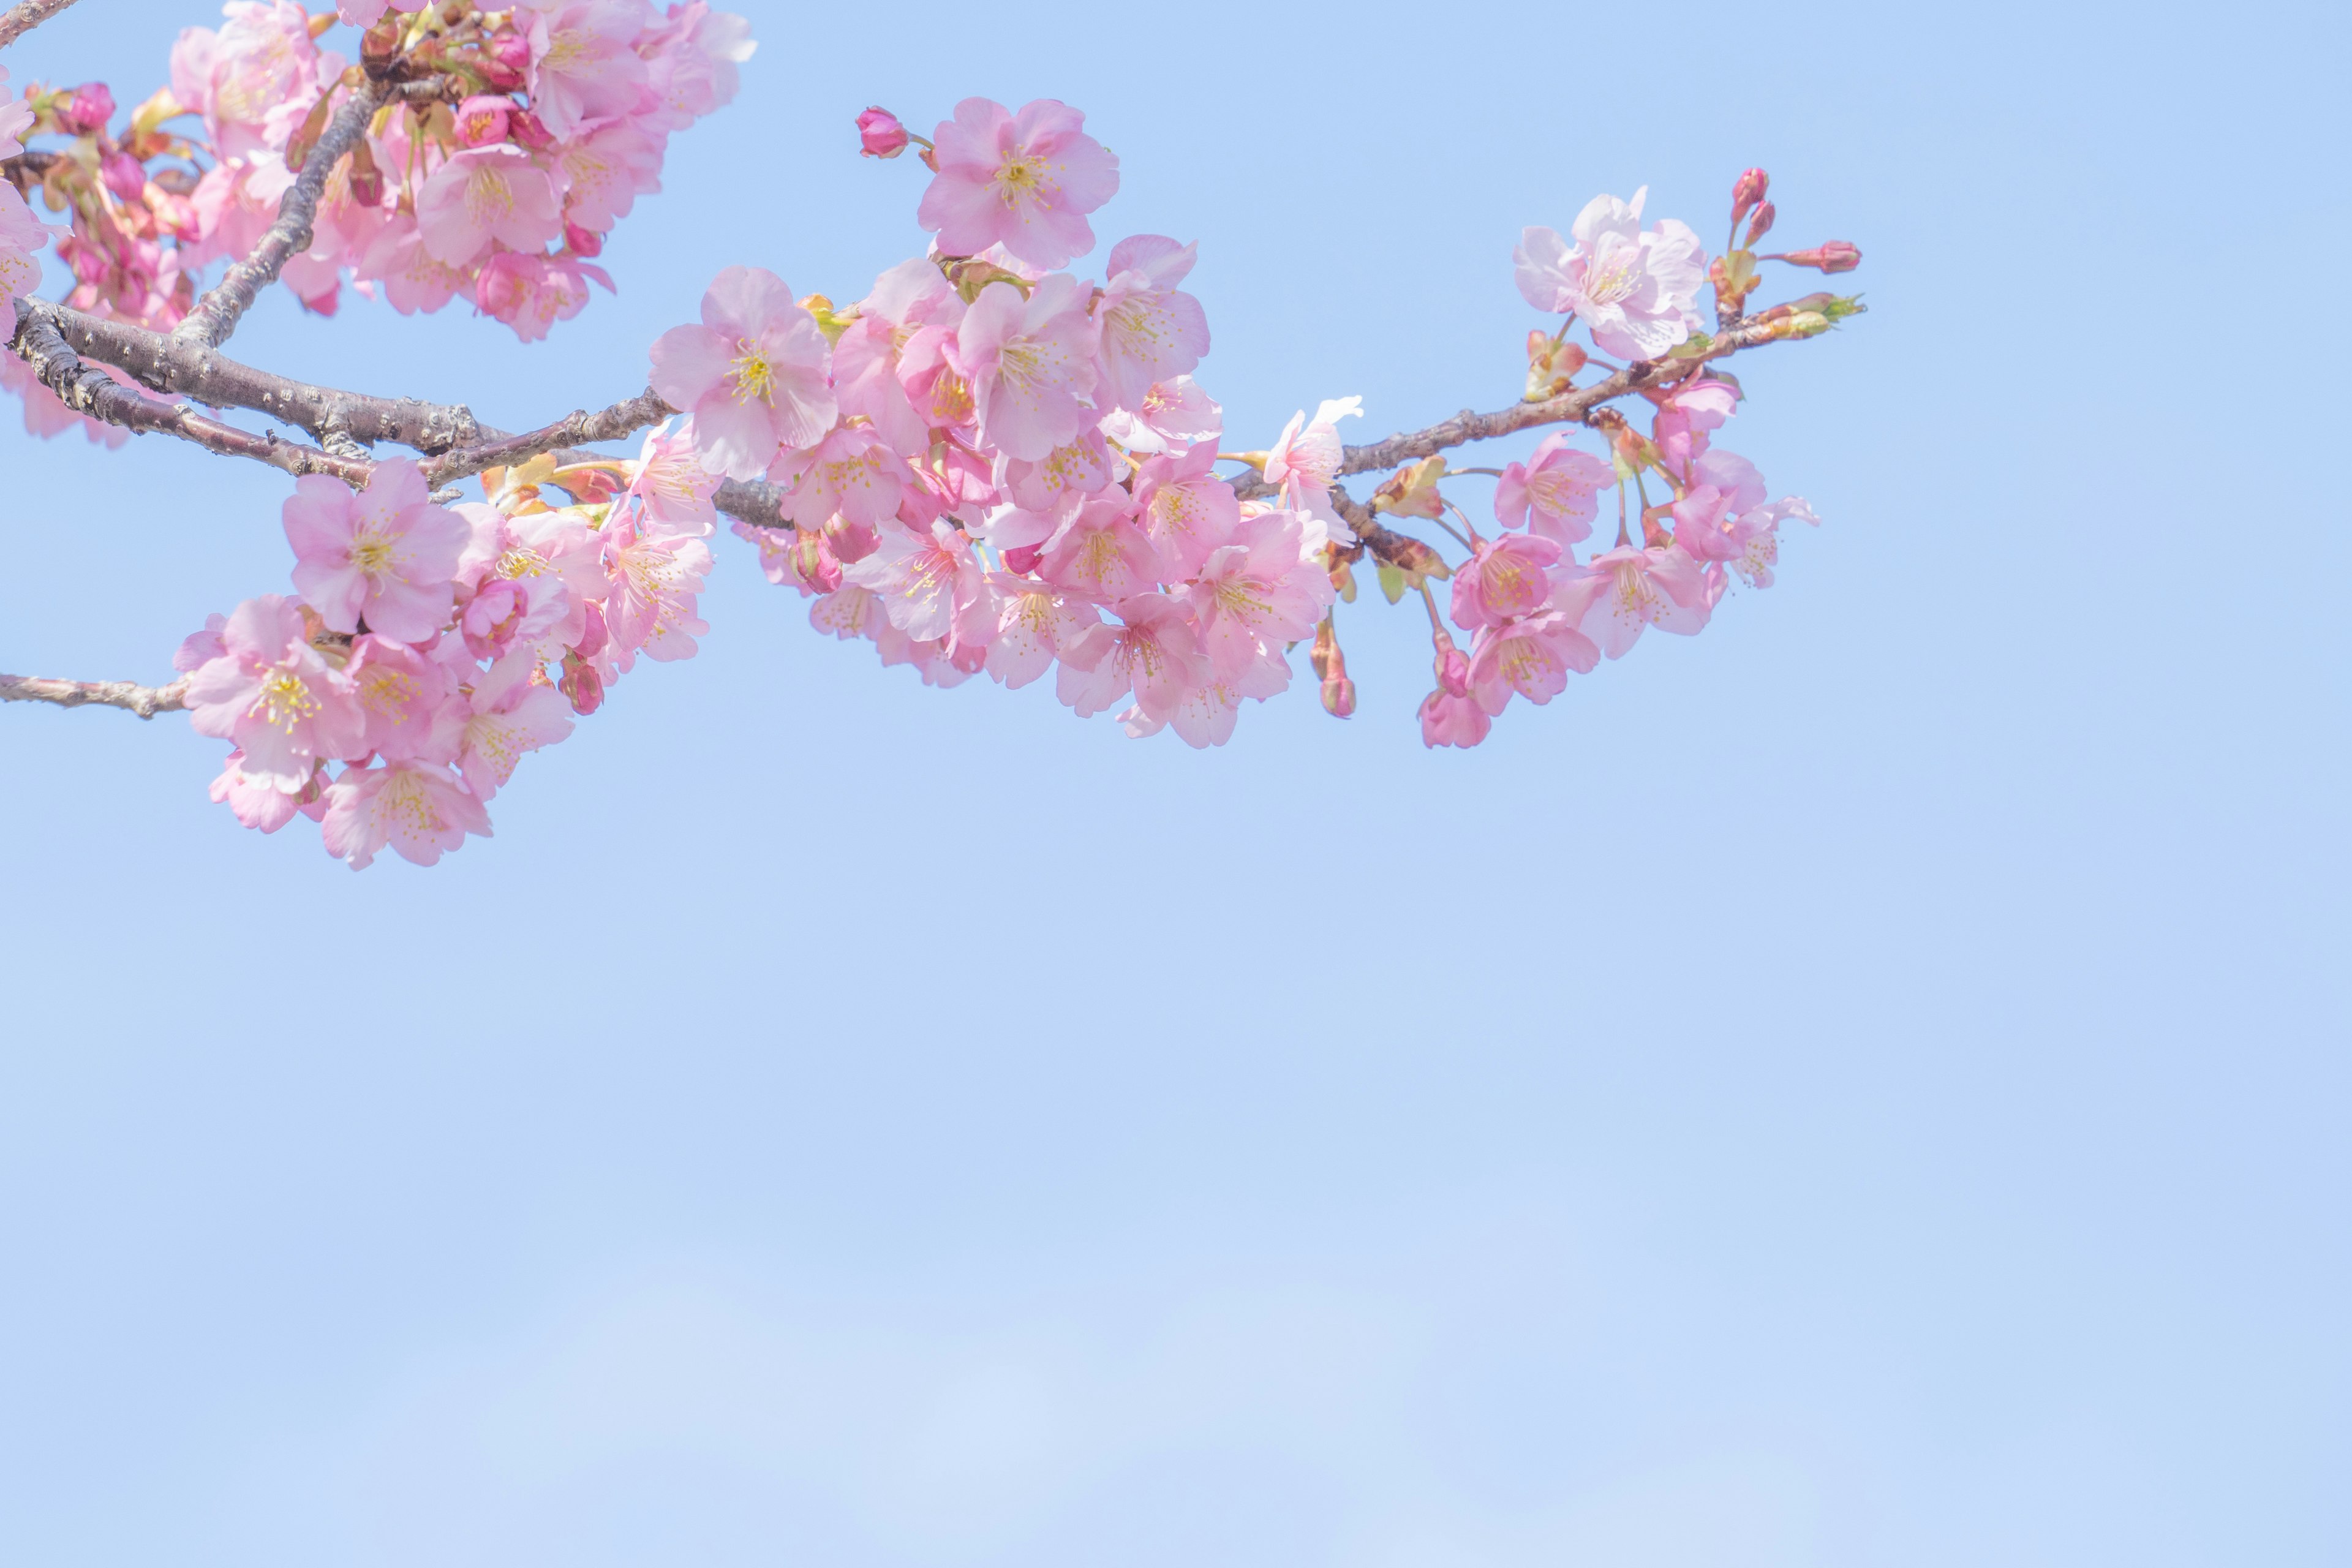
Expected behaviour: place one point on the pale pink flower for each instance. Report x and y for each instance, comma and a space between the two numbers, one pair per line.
386, 554
1529, 659
906, 299
584, 62
752, 374
852, 473
420, 809
489, 194
671, 483
256, 75
1030, 364
1186, 509
511, 714
1256, 593
530, 292
200, 647
1754, 538
413, 280
655, 579
1101, 554
1618, 594
1634, 291
403, 693
1056, 483
1025, 180
22, 238
1175, 415
1554, 493
1033, 623
1205, 715
805, 560
1152, 330
272, 694
362, 14
606, 172
929, 583
691, 62
1304, 461
1154, 652
1693, 409
541, 551
854, 611
257, 803
1451, 719
15, 118
1507, 577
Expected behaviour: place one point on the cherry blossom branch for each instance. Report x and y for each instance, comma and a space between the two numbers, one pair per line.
27, 17
89, 391
612, 424
168, 364
219, 312
144, 701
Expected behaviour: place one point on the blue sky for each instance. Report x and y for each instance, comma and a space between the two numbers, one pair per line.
1862, 1085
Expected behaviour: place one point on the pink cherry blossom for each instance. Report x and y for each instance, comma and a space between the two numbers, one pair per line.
606, 172
1154, 652
1507, 578
1634, 290
672, 485
584, 62
421, 809
402, 692
1056, 483
511, 714
386, 555
1304, 461
1152, 330
1554, 493
655, 581
257, 803
275, 696
1451, 719
198, 647
22, 237
1030, 364
906, 299
1186, 509
1173, 416
1256, 593
261, 66
752, 374
15, 118
1618, 594
1685, 417
928, 582
413, 280
1529, 659
1101, 554
690, 62
852, 473
1034, 623
362, 14
1025, 180
531, 293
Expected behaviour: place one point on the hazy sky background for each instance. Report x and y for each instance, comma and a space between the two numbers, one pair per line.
1866, 1085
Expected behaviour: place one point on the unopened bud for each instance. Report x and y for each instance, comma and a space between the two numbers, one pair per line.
879, 134
582, 685
367, 180
592, 641
525, 128
829, 321
125, 175
1021, 559
583, 241
851, 542
86, 109
1761, 225
1745, 191
1453, 666
482, 119
1413, 491
1551, 366
1340, 695
1837, 256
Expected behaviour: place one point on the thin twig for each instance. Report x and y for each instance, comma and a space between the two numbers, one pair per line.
611, 423
144, 701
27, 17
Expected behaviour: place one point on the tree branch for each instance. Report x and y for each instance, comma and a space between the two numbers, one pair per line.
27, 17
87, 390
144, 701
172, 365
622, 419
217, 313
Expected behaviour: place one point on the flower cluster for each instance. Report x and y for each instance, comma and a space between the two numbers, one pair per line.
543, 127
419, 653
988, 464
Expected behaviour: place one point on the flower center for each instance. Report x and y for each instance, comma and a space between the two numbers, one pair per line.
372, 553
750, 374
283, 702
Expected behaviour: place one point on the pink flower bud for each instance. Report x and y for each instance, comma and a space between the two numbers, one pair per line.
482, 119
125, 175
1453, 667
90, 108
582, 241
1021, 559
1761, 225
1745, 191
1340, 697
879, 134
1837, 256
525, 127
592, 641
851, 542
582, 685
505, 60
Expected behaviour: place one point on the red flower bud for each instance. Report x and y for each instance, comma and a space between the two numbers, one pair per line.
87, 109
125, 175
879, 134
1745, 191
582, 684
1021, 559
1837, 256
1762, 225
525, 128
583, 242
